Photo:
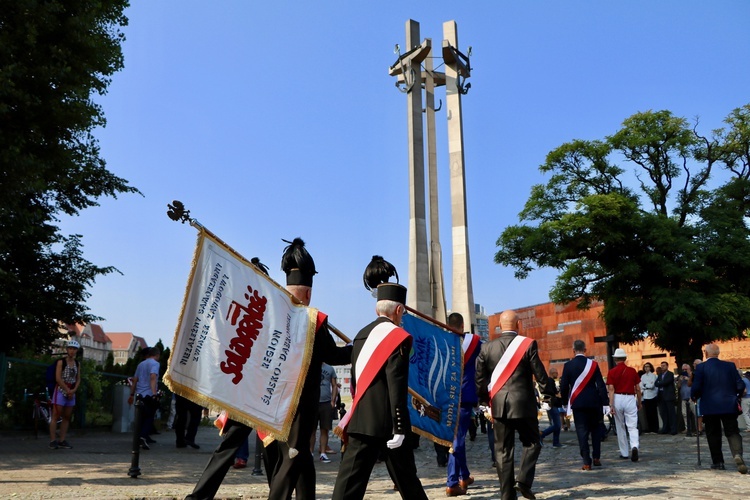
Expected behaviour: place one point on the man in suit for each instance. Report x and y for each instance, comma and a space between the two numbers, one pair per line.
378, 421
718, 385
234, 435
584, 395
512, 403
667, 398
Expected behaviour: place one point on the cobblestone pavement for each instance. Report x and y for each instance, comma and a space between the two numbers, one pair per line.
98, 465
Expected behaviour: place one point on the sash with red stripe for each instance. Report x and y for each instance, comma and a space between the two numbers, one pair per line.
380, 344
262, 434
580, 383
469, 346
508, 363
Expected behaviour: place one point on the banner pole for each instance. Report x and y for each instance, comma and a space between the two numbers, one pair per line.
413, 393
433, 320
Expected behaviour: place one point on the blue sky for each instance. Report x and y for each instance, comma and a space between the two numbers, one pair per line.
273, 120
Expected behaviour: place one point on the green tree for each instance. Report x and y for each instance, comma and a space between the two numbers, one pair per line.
55, 56
636, 220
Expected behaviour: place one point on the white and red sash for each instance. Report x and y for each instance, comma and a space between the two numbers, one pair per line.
580, 383
508, 363
380, 344
469, 346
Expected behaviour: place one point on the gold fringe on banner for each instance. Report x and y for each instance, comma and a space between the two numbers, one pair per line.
207, 400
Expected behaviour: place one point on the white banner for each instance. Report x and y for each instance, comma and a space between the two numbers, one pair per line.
242, 344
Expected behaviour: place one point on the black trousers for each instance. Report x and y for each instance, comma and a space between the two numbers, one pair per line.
713, 425
668, 414
222, 459
588, 422
148, 412
186, 420
505, 441
297, 474
360, 457
652, 417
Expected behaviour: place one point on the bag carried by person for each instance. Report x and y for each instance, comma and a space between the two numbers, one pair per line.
50, 375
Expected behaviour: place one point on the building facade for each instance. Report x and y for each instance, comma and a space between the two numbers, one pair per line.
556, 326
96, 345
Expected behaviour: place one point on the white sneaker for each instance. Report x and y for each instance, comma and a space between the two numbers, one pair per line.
324, 458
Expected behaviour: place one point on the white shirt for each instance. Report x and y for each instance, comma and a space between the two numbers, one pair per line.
648, 389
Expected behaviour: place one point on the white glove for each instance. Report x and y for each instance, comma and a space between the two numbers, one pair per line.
486, 411
606, 410
564, 408
398, 440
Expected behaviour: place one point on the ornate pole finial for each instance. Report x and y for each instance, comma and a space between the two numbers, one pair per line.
177, 212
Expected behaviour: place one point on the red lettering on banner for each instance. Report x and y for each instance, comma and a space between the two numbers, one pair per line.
250, 318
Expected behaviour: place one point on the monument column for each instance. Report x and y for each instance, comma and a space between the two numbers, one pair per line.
457, 69
409, 67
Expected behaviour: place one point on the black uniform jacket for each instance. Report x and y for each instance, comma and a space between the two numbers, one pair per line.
382, 411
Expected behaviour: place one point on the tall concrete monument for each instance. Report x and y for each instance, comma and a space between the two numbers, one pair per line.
425, 267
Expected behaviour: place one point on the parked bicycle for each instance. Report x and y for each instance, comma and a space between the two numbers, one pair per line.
42, 412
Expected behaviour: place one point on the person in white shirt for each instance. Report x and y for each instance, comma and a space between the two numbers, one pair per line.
649, 401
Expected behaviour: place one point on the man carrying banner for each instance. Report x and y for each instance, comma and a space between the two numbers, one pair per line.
295, 469
233, 434
459, 478
583, 391
506, 367
379, 419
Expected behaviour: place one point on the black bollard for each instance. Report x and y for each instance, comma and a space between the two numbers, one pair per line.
135, 469
257, 470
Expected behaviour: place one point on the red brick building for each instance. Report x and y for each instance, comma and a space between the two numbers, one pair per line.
555, 327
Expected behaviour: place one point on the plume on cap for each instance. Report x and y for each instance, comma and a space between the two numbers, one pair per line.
377, 272
297, 263
261, 266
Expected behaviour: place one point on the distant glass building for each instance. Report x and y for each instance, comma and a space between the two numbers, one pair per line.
483, 325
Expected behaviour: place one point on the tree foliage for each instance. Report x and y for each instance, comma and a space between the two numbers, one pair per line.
653, 221
55, 56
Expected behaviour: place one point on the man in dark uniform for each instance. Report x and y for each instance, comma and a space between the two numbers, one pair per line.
513, 406
295, 469
582, 389
379, 419
234, 434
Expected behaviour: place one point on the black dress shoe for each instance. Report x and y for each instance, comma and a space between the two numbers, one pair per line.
718, 466
149, 440
525, 491
181, 445
194, 446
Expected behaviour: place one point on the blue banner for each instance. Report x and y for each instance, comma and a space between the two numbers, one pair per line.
435, 371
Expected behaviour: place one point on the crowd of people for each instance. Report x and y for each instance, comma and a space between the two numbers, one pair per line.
504, 381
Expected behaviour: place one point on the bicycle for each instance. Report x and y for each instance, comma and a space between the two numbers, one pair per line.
42, 412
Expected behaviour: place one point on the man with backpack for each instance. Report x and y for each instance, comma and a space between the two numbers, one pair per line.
67, 379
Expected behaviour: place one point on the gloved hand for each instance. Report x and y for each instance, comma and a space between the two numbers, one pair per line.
606, 410
398, 440
487, 412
